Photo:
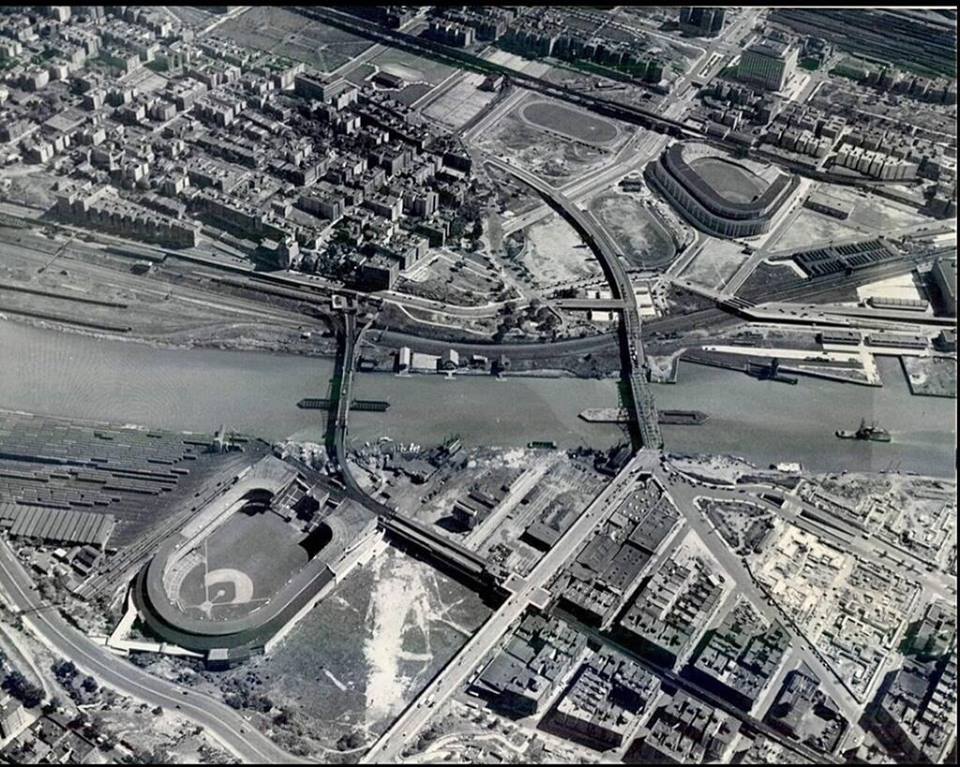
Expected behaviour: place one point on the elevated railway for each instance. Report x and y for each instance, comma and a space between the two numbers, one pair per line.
637, 115
463, 60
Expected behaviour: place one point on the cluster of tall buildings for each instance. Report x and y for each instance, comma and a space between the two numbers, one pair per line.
702, 22
288, 163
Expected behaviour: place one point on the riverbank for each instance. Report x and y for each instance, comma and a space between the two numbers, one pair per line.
74, 375
291, 342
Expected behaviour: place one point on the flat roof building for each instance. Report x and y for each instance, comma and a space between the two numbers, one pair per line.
768, 64
944, 274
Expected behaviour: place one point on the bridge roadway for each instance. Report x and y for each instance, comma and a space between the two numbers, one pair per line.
454, 675
645, 422
450, 553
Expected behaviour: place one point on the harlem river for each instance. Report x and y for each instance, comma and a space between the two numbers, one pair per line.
75, 376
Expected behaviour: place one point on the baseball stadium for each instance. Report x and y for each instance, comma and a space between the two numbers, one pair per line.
721, 196
248, 562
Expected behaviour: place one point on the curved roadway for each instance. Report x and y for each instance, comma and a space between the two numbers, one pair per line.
224, 724
645, 423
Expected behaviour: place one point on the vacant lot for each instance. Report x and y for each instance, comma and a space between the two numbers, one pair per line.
642, 239
411, 68
461, 103
358, 658
289, 34
573, 123
556, 255
931, 376
872, 211
715, 263
553, 157
812, 229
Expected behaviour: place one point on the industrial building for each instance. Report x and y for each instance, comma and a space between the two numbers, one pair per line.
741, 656
685, 731
538, 656
914, 713
944, 275
829, 205
671, 611
602, 706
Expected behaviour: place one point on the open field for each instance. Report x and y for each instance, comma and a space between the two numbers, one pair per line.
870, 215
555, 254
810, 229
411, 68
573, 123
461, 103
872, 211
355, 660
931, 376
553, 157
715, 263
641, 238
729, 180
289, 34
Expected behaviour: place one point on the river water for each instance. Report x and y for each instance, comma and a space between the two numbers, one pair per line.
70, 375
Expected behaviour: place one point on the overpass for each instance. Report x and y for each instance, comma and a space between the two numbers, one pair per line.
590, 304
645, 424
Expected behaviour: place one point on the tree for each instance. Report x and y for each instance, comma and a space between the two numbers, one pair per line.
22, 689
350, 742
64, 670
90, 684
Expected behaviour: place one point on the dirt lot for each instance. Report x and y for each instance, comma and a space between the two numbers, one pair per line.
870, 214
289, 34
810, 229
461, 103
643, 240
556, 255
351, 664
716, 263
413, 69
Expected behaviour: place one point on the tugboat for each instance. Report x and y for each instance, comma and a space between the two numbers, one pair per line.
872, 433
